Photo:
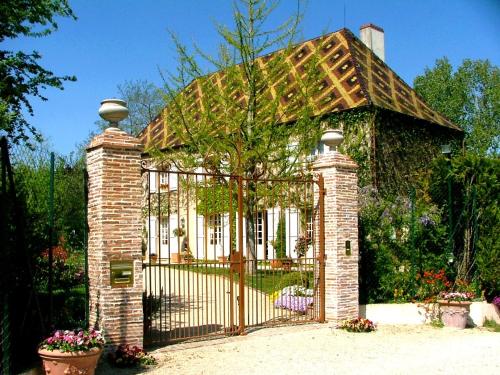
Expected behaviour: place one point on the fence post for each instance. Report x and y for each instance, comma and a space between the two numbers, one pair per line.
114, 239
340, 235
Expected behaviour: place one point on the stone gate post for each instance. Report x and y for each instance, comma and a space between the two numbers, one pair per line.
114, 245
341, 235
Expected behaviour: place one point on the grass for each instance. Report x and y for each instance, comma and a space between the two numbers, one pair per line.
265, 280
491, 325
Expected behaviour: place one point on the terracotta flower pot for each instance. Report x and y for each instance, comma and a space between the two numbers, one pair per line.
454, 313
58, 363
175, 258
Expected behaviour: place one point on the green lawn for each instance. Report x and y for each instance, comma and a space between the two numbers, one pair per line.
267, 280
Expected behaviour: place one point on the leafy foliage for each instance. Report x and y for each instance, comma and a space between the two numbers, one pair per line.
229, 122
303, 279
394, 247
404, 240
476, 224
469, 97
280, 241
21, 75
32, 174
67, 273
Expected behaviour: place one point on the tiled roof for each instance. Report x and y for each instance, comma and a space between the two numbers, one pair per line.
353, 77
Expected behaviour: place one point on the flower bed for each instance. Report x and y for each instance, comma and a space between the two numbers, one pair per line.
357, 325
295, 298
294, 303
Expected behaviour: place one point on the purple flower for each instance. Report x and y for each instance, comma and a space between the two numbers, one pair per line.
496, 301
426, 221
293, 303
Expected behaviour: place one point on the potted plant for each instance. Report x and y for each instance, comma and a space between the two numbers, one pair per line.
71, 352
187, 256
302, 245
454, 308
179, 232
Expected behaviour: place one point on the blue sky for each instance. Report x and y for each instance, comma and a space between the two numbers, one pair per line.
117, 40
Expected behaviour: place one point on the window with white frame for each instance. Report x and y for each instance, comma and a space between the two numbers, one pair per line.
260, 227
169, 180
163, 178
164, 234
215, 225
309, 224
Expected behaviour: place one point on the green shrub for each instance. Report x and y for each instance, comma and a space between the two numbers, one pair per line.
400, 237
296, 278
280, 241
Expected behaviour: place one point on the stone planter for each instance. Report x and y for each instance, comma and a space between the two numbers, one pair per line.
454, 313
58, 363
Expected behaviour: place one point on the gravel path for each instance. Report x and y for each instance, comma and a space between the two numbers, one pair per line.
317, 349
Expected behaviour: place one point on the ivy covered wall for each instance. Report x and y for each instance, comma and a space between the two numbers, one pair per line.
391, 149
405, 147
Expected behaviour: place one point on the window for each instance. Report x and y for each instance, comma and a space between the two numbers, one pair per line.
163, 178
168, 180
319, 149
164, 231
309, 225
215, 224
260, 227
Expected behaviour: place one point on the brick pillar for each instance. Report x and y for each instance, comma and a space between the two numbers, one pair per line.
341, 225
114, 219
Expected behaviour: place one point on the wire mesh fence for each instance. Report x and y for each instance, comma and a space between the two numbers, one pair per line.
42, 274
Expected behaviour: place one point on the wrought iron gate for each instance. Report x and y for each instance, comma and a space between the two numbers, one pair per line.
223, 253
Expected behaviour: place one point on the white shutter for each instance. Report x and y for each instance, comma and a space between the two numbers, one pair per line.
153, 236
225, 235
173, 181
292, 230
175, 241
200, 237
153, 176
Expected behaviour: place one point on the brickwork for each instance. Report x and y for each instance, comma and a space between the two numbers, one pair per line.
114, 219
341, 225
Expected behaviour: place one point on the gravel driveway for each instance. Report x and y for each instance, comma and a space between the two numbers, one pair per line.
317, 349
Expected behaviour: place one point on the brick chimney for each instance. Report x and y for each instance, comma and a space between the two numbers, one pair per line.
373, 37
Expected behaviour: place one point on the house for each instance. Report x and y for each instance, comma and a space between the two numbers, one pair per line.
388, 129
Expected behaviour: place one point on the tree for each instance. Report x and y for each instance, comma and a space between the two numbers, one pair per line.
252, 117
280, 242
21, 75
32, 168
469, 97
144, 100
